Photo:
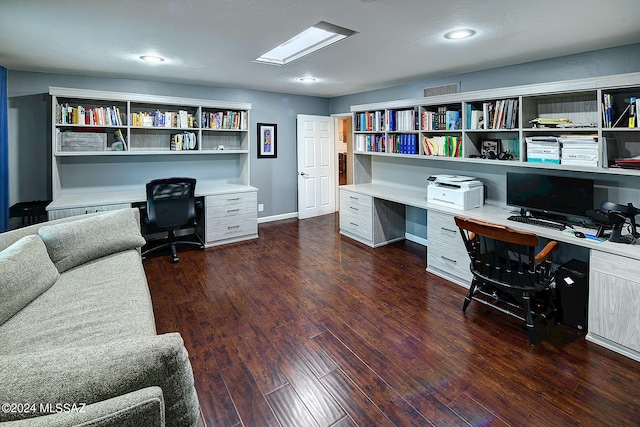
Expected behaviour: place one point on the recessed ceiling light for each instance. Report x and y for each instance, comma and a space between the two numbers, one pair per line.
313, 38
307, 79
152, 58
459, 34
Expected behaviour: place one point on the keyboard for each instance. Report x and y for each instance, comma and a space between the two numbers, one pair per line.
533, 221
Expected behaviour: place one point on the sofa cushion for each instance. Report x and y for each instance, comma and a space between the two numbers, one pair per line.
100, 301
26, 271
74, 243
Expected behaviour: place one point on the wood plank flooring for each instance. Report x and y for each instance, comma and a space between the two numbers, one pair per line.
304, 327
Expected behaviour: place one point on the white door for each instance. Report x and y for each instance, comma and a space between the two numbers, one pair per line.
316, 166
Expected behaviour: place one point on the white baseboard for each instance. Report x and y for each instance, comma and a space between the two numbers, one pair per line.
277, 217
416, 239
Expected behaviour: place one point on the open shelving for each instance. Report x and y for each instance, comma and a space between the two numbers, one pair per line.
112, 140
577, 108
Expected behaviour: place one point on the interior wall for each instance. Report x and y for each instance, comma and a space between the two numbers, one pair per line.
30, 122
30, 131
619, 60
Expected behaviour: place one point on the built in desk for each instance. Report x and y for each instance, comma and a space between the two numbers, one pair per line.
374, 214
231, 210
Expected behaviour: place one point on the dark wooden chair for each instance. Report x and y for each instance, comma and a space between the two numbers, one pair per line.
508, 274
171, 205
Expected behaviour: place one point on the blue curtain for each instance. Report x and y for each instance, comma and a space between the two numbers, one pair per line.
4, 152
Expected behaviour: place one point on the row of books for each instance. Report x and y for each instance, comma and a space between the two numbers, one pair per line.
234, 120
371, 143
99, 116
168, 119
448, 146
404, 143
442, 119
403, 120
373, 121
501, 114
183, 141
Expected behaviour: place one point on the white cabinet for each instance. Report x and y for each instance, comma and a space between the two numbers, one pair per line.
231, 217
446, 254
107, 145
371, 220
614, 301
356, 216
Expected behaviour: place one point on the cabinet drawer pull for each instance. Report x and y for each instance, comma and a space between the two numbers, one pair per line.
233, 227
353, 223
233, 210
448, 230
448, 259
233, 200
354, 198
355, 209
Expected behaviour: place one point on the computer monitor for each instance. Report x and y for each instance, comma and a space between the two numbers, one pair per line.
549, 194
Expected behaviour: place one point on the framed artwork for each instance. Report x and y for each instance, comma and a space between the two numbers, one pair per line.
267, 140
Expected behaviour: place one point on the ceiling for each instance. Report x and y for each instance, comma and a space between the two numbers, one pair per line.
214, 42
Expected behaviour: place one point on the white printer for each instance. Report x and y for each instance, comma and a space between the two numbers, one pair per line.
455, 191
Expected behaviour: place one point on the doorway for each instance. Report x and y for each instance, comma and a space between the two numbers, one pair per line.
344, 149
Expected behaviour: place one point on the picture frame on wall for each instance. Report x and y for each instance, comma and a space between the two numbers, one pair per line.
267, 140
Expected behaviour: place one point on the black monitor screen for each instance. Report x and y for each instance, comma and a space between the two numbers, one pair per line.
550, 194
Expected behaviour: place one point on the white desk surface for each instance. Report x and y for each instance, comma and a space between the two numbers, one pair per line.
99, 198
491, 213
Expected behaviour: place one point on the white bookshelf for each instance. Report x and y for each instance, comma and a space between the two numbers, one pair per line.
218, 154
581, 101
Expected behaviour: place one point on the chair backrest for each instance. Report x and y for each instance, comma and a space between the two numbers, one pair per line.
503, 256
171, 202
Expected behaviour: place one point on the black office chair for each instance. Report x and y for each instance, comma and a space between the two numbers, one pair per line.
508, 274
171, 205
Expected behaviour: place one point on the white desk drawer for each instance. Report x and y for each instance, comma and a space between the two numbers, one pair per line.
349, 198
227, 228
356, 225
443, 227
449, 259
231, 199
227, 211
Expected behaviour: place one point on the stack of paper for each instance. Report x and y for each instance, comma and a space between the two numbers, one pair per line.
543, 149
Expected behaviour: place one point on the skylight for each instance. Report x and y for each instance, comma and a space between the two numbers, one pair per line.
313, 38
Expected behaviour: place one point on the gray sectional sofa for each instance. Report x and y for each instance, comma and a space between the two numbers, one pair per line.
78, 344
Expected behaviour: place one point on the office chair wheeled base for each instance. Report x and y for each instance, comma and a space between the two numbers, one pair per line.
171, 243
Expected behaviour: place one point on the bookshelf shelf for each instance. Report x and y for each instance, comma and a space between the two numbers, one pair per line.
591, 107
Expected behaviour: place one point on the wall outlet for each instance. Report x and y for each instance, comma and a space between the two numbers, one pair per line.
260, 207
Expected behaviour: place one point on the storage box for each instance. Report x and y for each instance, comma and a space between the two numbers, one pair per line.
543, 150
83, 141
580, 152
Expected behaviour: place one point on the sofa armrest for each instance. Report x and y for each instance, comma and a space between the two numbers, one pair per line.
90, 374
139, 408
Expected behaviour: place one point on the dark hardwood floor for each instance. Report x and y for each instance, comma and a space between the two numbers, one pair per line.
304, 327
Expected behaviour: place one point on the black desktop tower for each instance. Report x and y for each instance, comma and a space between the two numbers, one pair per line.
572, 286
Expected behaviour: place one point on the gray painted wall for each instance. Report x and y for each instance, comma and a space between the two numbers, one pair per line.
29, 117
625, 59
30, 131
